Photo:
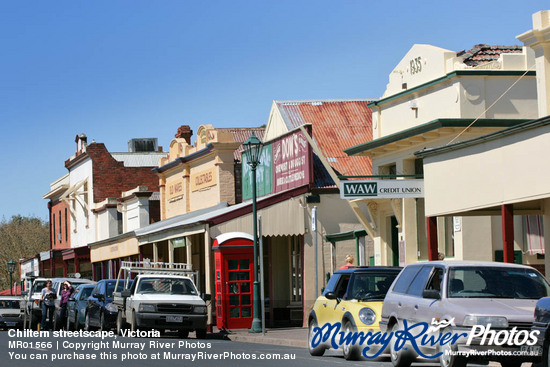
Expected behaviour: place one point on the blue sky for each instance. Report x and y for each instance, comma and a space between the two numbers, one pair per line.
117, 70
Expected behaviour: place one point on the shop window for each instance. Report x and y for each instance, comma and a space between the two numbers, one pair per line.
296, 270
66, 226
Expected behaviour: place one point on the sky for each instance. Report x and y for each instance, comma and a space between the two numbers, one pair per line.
116, 70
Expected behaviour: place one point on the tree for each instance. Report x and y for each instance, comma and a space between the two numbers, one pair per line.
20, 237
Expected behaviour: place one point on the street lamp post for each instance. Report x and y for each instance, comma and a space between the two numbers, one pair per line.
252, 149
11, 269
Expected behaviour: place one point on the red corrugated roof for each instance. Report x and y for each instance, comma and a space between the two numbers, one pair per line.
482, 54
336, 125
242, 134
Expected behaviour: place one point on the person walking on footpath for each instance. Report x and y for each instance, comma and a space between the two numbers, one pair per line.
48, 306
66, 293
349, 263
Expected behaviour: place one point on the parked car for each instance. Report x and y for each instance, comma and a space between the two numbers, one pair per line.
57, 288
33, 310
354, 298
466, 294
76, 310
11, 313
542, 324
100, 310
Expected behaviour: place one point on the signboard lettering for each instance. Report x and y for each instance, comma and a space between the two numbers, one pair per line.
382, 189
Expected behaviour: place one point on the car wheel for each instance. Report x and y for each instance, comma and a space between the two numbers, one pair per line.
120, 323
183, 334
449, 360
399, 358
201, 333
102, 324
319, 350
351, 352
68, 326
133, 324
87, 325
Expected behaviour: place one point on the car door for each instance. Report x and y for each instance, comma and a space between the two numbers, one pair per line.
427, 308
397, 302
414, 294
94, 303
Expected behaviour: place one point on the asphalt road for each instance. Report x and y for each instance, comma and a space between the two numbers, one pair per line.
168, 350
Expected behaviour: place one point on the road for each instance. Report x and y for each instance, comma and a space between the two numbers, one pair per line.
167, 351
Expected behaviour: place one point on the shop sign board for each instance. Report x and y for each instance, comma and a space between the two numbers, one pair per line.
284, 164
382, 189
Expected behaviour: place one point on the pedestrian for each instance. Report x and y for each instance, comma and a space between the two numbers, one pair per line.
66, 293
48, 305
349, 262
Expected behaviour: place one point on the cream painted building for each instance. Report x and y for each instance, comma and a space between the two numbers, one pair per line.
505, 170
434, 97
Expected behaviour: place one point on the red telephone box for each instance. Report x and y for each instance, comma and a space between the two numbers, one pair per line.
234, 257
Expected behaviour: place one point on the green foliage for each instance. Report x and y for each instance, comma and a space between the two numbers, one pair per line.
20, 238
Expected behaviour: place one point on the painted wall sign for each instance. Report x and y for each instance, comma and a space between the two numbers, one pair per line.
204, 179
290, 162
284, 164
382, 189
174, 189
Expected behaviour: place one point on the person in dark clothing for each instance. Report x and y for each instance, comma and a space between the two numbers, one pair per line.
66, 293
48, 306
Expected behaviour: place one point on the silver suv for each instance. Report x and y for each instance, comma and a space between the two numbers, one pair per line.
462, 297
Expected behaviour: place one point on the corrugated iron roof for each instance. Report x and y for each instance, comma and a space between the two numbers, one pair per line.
141, 159
336, 125
241, 134
482, 54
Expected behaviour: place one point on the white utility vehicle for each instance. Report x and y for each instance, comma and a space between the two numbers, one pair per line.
162, 296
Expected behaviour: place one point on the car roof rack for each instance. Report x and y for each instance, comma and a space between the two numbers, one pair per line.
161, 268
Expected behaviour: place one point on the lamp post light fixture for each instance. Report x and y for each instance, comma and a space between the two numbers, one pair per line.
11, 269
252, 150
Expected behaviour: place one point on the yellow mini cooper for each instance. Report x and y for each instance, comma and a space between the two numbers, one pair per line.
353, 297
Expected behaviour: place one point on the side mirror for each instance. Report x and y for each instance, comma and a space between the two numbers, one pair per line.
72, 299
206, 296
331, 295
431, 294
24, 293
126, 293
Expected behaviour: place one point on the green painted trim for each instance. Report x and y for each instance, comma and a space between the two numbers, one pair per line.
344, 236
380, 176
430, 126
449, 76
530, 124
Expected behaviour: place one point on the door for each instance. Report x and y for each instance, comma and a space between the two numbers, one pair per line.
394, 241
239, 275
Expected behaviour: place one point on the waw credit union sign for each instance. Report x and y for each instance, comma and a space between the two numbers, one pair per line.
382, 189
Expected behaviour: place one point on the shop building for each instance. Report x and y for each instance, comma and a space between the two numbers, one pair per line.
82, 208
504, 173
435, 97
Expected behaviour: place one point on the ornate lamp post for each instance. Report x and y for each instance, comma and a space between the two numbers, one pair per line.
253, 149
11, 269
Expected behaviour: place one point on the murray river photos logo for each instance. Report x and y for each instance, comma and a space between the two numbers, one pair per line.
419, 336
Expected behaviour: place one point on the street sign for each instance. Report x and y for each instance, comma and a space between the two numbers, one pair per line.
382, 189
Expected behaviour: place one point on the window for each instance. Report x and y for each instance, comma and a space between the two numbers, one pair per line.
53, 229
419, 283
331, 285
436, 280
296, 270
405, 278
60, 228
342, 286
66, 227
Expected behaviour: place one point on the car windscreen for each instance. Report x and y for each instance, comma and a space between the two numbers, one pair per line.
159, 285
371, 285
8, 304
496, 282
37, 286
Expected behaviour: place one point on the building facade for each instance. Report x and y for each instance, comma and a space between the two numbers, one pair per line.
435, 97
